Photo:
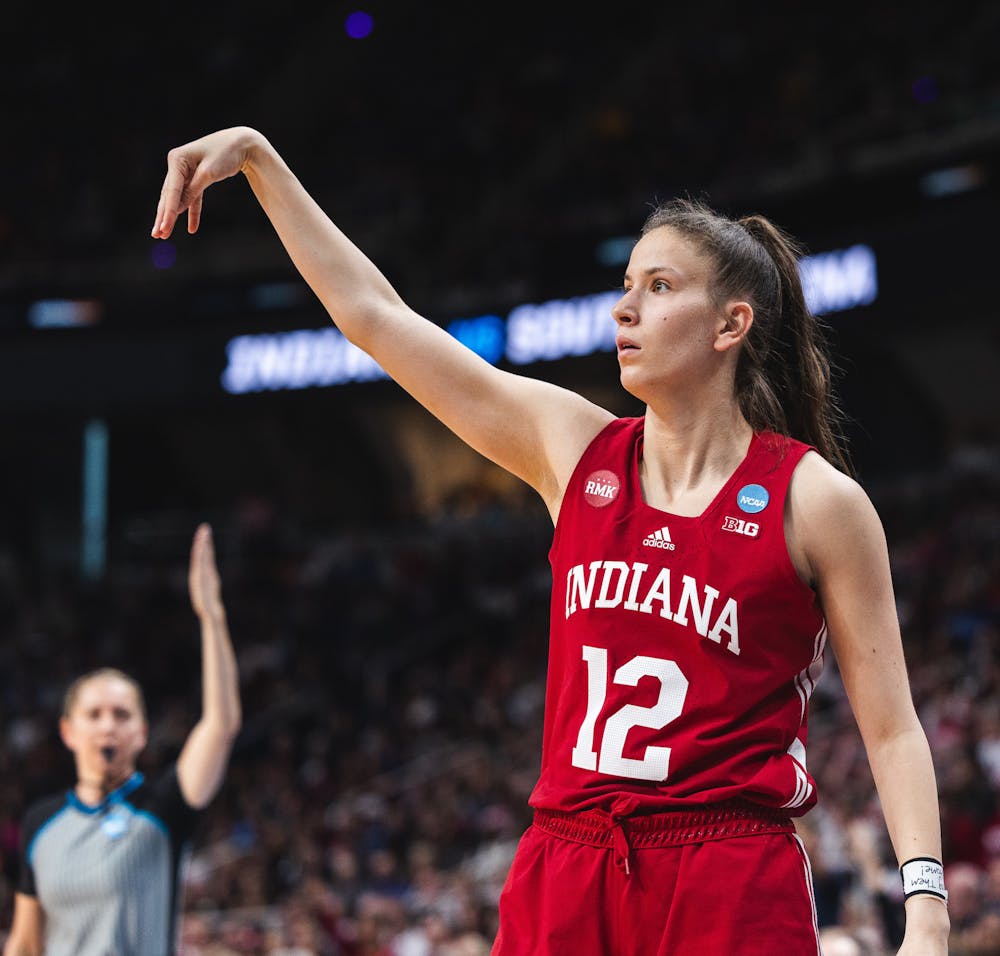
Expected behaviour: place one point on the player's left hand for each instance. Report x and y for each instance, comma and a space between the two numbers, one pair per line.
927, 928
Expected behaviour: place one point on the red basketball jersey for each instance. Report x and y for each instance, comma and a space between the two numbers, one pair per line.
683, 650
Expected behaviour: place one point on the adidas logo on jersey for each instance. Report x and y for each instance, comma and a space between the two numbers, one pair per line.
660, 539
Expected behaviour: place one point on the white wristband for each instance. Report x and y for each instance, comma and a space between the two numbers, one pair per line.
923, 874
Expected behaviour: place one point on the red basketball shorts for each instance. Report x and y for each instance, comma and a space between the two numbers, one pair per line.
729, 883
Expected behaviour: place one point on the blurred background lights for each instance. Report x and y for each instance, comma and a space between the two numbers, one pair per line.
953, 180
163, 254
279, 295
485, 335
615, 251
358, 25
64, 313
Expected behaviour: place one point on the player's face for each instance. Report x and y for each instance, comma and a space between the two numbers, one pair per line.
105, 728
667, 319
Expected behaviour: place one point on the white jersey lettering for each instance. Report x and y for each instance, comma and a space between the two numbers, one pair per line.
696, 606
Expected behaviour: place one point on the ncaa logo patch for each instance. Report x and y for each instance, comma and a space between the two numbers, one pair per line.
752, 498
601, 488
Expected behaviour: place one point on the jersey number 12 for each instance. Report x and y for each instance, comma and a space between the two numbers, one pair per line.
611, 760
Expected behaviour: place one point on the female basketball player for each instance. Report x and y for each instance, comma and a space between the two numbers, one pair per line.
703, 554
99, 869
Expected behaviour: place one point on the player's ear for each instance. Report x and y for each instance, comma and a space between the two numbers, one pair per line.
734, 325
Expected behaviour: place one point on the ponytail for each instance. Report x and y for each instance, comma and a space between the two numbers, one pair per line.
797, 366
784, 371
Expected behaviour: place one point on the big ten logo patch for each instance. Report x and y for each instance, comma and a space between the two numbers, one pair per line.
601, 488
741, 526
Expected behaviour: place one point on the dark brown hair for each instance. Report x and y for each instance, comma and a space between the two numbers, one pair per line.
783, 375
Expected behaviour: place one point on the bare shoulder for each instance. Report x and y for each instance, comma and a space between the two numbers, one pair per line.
571, 423
823, 489
828, 515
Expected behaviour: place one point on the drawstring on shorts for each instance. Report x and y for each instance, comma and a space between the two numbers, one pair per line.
623, 831
615, 824
622, 848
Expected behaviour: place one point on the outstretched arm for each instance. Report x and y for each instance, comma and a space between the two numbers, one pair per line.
202, 763
533, 429
841, 541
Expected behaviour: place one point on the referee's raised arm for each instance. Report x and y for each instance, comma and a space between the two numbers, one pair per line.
201, 766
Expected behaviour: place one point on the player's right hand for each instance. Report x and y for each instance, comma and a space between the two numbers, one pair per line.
192, 168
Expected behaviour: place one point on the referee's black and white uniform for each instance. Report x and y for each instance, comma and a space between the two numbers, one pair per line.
108, 876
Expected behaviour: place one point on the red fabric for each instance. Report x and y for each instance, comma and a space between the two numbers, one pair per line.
683, 650
742, 896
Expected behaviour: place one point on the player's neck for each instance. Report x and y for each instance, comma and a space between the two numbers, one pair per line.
688, 457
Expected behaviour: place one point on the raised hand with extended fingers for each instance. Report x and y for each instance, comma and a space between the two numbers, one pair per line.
203, 575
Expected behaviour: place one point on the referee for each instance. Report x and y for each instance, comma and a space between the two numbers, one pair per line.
100, 864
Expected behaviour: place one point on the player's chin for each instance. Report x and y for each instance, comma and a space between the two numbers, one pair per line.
633, 382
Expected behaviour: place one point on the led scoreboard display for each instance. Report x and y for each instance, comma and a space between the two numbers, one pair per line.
548, 331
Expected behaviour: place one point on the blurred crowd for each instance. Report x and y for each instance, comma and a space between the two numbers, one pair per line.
393, 685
